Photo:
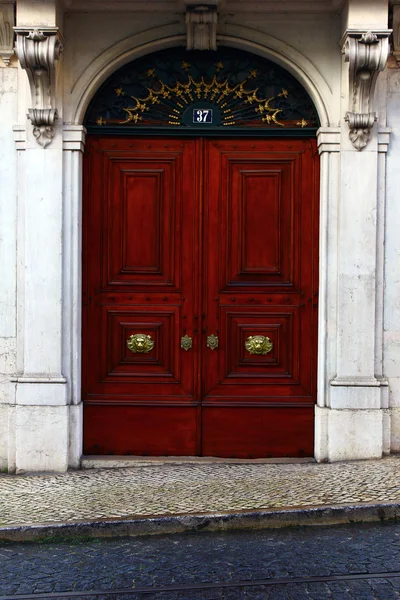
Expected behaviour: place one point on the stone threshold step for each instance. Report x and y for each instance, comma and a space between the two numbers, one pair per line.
115, 462
179, 523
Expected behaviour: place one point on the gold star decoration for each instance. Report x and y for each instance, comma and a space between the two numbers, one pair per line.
284, 93
219, 65
302, 123
253, 73
101, 121
185, 65
119, 91
151, 73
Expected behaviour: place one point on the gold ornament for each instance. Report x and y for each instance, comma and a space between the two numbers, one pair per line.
258, 344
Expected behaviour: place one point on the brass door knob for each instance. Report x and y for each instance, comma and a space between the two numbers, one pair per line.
258, 344
186, 342
212, 341
140, 342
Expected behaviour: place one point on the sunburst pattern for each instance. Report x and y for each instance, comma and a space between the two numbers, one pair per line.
237, 103
242, 90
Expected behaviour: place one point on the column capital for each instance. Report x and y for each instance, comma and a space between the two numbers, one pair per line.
19, 136
74, 137
384, 139
38, 49
328, 139
367, 53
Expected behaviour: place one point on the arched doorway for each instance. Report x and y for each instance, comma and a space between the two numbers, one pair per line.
200, 259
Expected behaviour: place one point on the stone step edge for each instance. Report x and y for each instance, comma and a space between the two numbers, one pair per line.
115, 462
179, 523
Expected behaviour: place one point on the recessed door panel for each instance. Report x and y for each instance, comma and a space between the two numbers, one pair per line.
141, 219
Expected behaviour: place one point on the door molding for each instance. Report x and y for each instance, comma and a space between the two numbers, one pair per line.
73, 145
168, 36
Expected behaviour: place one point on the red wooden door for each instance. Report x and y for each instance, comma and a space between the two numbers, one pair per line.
140, 277
260, 280
200, 238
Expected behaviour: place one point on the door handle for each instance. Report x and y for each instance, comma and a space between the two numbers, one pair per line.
186, 342
140, 342
212, 341
258, 344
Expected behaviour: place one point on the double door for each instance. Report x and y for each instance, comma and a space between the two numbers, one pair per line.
199, 297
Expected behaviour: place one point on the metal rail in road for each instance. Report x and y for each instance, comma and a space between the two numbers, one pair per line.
219, 587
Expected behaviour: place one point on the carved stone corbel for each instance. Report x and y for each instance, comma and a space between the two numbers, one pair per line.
366, 53
37, 51
201, 28
7, 32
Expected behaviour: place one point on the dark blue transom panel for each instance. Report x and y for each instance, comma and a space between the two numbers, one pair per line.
176, 89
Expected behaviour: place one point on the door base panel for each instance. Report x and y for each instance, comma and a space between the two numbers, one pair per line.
258, 432
226, 432
139, 430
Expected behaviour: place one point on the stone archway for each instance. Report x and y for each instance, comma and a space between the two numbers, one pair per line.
74, 139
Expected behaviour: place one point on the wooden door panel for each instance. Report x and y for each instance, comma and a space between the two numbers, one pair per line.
139, 430
280, 365
145, 251
257, 203
161, 364
251, 432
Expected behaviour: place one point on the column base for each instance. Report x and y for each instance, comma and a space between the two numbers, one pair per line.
4, 411
395, 429
348, 434
40, 438
75, 435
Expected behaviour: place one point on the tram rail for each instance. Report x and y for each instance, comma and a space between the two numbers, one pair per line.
181, 591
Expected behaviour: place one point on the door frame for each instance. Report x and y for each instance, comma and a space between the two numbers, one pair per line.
308, 145
74, 135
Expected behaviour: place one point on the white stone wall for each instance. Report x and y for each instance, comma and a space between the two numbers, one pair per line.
392, 257
41, 411
8, 281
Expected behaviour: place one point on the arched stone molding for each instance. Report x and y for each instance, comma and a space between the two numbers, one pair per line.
75, 106
169, 36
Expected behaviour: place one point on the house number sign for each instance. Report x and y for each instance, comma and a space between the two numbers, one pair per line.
202, 115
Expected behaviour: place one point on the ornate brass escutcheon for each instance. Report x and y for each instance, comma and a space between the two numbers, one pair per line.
140, 342
212, 341
258, 344
186, 342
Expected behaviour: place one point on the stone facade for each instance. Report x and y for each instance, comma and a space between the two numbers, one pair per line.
339, 51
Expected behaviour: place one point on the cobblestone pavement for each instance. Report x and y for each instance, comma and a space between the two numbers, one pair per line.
169, 489
214, 557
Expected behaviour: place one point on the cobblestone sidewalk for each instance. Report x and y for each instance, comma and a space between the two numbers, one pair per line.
171, 489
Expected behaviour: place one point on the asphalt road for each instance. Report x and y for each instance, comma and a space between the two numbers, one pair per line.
190, 558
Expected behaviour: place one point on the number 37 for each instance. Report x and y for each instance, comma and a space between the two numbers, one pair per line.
202, 116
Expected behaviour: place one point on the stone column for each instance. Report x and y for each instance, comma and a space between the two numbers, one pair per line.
351, 423
328, 140
42, 412
8, 212
392, 238
73, 147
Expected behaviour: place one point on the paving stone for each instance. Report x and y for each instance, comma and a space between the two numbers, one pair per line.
167, 489
213, 557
